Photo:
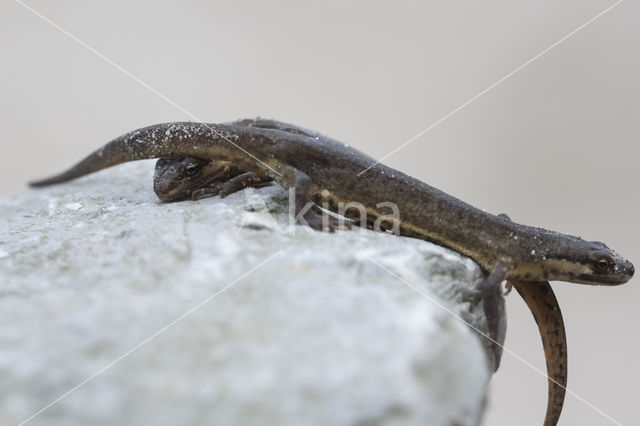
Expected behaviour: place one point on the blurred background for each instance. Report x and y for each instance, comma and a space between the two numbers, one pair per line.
555, 145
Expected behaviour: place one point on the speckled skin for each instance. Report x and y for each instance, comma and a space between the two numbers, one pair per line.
325, 171
528, 253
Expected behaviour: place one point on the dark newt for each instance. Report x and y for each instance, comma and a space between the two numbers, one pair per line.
324, 171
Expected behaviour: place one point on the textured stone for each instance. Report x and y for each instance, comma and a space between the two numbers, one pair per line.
215, 312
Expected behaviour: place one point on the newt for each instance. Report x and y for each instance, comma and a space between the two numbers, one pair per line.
317, 169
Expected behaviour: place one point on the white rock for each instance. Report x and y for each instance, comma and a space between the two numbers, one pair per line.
120, 309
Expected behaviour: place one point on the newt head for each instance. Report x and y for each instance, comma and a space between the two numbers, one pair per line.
589, 262
606, 266
177, 179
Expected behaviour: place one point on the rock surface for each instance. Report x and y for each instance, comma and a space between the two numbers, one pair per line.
124, 310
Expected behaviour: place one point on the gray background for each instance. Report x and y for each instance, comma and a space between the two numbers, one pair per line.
555, 145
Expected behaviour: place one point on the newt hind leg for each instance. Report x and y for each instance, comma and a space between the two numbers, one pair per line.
301, 206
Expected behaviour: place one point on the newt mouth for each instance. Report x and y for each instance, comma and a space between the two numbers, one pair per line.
622, 273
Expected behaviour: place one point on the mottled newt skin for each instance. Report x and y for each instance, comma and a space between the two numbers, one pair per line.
325, 171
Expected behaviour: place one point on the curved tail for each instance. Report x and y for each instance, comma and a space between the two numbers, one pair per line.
98, 160
543, 304
159, 140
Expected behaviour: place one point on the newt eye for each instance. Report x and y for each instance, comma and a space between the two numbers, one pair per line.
601, 265
191, 169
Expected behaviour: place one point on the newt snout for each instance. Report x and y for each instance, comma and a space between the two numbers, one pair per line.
630, 269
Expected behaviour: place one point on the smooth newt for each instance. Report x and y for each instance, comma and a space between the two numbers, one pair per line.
323, 170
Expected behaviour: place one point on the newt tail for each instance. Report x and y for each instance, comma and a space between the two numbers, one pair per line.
544, 307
